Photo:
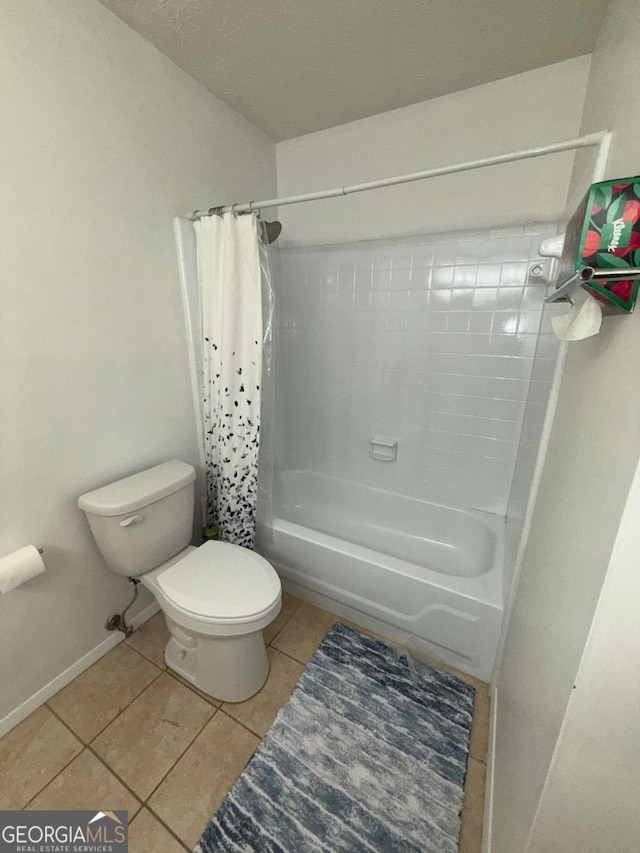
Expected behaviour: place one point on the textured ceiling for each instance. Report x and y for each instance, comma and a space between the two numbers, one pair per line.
295, 66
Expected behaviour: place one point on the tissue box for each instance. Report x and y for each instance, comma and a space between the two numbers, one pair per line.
604, 233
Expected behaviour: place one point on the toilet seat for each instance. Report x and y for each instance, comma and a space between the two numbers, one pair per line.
222, 582
217, 589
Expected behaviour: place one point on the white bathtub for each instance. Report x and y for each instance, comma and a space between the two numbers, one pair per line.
424, 575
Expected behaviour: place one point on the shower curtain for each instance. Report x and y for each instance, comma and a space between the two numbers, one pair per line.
229, 279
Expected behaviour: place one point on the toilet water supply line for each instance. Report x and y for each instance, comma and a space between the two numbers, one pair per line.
601, 138
117, 622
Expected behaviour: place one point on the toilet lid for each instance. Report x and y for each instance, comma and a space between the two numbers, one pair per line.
221, 580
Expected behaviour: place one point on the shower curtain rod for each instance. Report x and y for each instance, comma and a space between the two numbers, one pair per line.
587, 141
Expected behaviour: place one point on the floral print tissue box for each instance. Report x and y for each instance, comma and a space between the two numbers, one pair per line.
604, 233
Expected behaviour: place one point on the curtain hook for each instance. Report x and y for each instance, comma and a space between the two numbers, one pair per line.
215, 211
233, 211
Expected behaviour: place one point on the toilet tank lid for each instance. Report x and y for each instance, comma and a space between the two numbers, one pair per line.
138, 490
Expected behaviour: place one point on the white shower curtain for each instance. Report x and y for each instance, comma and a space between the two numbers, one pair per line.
231, 304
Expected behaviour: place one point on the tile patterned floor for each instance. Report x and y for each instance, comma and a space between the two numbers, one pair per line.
130, 734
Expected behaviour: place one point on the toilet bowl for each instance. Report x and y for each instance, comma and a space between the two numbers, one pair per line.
216, 617
216, 599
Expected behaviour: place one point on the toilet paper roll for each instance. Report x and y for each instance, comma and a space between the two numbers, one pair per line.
582, 320
19, 567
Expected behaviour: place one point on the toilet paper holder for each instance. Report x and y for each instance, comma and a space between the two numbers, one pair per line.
19, 567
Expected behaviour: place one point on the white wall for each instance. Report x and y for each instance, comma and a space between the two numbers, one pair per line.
104, 141
523, 111
593, 452
426, 341
590, 799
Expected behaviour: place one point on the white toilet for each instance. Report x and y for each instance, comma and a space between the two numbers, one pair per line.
216, 598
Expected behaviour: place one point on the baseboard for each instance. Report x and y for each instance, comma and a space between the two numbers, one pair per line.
34, 702
487, 822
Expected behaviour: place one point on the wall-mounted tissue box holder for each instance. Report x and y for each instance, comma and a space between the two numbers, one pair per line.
601, 251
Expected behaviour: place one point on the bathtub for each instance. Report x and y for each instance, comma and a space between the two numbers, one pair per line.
426, 576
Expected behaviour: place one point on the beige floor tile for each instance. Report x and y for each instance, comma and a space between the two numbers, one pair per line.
210, 699
472, 808
148, 835
470, 840
259, 712
304, 632
31, 755
86, 784
151, 639
145, 741
289, 606
480, 728
196, 786
96, 697
473, 804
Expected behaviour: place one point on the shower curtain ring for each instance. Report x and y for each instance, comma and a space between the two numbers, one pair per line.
233, 211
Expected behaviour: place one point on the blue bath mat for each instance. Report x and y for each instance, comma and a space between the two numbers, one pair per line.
368, 754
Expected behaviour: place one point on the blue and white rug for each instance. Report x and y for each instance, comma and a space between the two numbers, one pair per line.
369, 754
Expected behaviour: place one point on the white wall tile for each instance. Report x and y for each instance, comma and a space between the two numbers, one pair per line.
381, 279
418, 299
427, 340
400, 279
421, 278
442, 277
484, 298
445, 254
465, 276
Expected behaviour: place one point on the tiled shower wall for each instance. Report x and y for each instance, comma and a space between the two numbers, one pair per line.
428, 341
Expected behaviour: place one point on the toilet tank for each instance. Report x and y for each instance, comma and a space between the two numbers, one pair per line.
145, 519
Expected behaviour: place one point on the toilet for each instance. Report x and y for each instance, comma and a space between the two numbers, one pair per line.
216, 599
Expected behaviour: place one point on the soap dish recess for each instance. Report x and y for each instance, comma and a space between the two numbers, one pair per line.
383, 449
